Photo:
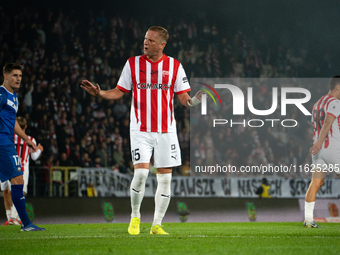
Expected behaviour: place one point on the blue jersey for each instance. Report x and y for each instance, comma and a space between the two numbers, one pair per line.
8, 112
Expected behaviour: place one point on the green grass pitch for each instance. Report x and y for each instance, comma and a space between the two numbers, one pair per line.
184, 238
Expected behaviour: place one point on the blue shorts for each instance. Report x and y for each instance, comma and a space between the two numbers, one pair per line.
10, 166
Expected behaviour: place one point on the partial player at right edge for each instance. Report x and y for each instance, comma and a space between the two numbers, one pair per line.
326, 145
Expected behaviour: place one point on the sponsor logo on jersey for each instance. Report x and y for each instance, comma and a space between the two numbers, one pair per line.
12, 104
152, 86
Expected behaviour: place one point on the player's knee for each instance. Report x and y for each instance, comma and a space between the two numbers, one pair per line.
164, 179
317, 183
139, 182
139, 178
320, 184
18, 180
164, 182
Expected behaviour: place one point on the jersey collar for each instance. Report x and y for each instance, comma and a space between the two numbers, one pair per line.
161, 59
2, 86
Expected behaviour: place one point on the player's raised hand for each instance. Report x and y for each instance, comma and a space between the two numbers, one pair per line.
40, 147
196, 100
90, 88
199, 95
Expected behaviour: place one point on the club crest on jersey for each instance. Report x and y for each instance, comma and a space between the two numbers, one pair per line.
165, 73
152, 86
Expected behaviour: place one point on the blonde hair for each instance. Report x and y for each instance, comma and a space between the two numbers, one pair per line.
163, 33
21, 122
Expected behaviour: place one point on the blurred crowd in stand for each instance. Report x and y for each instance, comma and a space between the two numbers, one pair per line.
58, 49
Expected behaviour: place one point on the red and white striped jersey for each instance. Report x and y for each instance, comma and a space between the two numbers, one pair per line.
153, 85
327, 105
23, 151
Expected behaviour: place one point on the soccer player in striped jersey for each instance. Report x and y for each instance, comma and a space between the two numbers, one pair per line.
152, 79
326, 145
24, 154
10, 167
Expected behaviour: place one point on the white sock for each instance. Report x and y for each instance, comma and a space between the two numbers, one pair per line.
162, 197
137, 189
14, 214
309, 210
8, 214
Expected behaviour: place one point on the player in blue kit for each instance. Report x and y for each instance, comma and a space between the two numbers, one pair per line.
10, 167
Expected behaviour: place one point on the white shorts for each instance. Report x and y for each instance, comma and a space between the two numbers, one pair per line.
327, 160
165, 148
6, 184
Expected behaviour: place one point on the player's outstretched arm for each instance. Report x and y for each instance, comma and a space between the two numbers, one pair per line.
185, 99
113, 94
23, 136
323, 134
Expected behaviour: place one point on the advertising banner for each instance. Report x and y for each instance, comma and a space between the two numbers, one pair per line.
111, 184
